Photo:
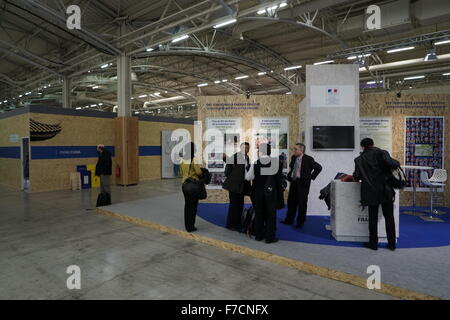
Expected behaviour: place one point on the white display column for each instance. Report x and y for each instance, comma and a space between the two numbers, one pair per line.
332, 99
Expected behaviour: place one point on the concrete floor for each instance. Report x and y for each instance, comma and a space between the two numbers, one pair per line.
41, 234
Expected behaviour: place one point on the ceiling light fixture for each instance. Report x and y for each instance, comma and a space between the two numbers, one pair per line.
142, 96
323, 62
431, 55
261, 73
241, 77
104, 66
292, 68
414, 78
178, 39
202, 84
225, 23
359, 56
442, 42
400, 49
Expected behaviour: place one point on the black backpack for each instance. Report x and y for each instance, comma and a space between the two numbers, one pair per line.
248, 222
103, 199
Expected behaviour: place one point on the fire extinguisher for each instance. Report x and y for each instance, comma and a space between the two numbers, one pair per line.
117, 171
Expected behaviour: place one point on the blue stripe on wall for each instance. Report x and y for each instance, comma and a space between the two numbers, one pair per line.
66, 152
10, 152
149, 151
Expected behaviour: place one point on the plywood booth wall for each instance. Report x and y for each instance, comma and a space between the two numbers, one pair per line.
255, 106
13, 127
389, 105
53, 159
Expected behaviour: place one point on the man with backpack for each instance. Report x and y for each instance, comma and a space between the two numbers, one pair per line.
374, 168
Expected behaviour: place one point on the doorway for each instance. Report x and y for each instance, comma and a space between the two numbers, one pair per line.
25, 160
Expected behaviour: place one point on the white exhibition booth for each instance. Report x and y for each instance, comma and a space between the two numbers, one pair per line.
332, 103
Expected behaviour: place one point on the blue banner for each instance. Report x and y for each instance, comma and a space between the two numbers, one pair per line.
10, 152
66, 152
149, 151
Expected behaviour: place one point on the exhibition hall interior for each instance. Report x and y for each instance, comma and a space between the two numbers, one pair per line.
224, 150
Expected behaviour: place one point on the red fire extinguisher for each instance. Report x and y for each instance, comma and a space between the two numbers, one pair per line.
117, 171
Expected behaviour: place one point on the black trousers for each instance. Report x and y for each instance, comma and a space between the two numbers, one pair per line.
297, 200
265, 215
235, 209
190, 211
388, 213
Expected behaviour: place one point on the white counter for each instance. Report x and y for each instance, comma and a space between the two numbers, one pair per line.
348, 221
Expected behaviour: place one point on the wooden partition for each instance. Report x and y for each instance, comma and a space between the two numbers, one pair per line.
127, 150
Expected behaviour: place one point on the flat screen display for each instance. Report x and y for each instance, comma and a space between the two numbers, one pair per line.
333, 137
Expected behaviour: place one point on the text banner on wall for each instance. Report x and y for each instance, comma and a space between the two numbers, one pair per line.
379, 129
424, 146
264, 129
231, 135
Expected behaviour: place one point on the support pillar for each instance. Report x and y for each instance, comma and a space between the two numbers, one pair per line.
66, 87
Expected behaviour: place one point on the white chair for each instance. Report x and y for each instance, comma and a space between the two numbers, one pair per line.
439, 176
426, 181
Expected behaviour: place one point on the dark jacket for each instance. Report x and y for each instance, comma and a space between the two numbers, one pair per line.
274, 181
373, 168
104, 163
235, 175
309, 170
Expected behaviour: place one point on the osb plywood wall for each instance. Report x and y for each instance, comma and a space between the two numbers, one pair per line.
53, 174
10, 169
255, 106
383, 105
150, 135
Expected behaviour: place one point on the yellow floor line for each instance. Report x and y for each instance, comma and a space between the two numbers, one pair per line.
295, 264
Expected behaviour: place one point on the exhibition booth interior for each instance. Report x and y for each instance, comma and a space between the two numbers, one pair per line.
330, 119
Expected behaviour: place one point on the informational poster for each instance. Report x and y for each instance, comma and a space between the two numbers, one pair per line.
332, 96
274, 131
379, 129
168, 168
424, 146
218, 151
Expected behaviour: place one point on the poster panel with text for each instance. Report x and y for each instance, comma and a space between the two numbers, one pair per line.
274, 131
218, 151
379, 129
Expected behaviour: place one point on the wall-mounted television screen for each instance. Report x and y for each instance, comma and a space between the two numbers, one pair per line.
333, 137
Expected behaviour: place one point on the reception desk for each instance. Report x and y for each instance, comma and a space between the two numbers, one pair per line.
349, 221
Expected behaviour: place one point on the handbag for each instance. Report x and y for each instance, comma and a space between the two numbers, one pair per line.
194, 188
397, 178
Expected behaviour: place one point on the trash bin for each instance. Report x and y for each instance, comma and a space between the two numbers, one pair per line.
85, 179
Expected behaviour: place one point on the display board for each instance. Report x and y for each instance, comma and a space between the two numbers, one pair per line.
167, 166
379, 129
274, 131
424, 146
217, 150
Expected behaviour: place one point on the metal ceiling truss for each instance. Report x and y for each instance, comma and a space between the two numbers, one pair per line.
373, 48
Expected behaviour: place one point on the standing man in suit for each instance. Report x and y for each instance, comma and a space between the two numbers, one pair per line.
303, 169
235, 170
267, 193
373, 168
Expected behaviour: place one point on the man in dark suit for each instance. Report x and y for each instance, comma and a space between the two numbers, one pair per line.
267, 193
373, 167
237, 186
303, 169
103, 169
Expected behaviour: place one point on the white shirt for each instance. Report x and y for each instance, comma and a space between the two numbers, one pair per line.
250, 175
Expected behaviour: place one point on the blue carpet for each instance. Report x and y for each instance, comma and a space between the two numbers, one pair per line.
414, 232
